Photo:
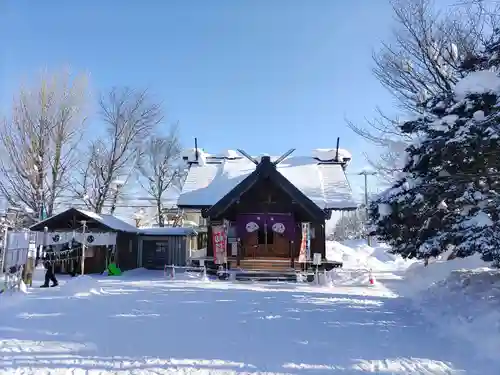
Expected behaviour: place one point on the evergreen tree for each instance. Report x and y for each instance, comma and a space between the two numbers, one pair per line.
479, 218
448, 193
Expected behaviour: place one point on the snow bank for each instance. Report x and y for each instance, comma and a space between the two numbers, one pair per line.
357, 255
467, 305
11, 297
348, 278
419, 277
462, 296
80, 284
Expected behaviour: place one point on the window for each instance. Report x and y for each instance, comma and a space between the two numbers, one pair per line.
262, 236
161, 247
231, 233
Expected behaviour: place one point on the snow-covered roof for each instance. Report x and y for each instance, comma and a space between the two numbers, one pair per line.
107, 220
324, 183
110, 221
168, 231
328, 154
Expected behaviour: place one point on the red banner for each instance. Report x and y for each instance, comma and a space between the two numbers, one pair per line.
219, 240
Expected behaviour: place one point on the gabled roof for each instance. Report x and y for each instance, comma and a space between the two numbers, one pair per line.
323, 183
109, 221
266, 169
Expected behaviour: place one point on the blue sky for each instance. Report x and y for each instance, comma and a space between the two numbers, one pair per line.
262, 75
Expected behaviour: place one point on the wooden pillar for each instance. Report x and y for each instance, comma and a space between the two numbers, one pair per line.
210, 246
239, 255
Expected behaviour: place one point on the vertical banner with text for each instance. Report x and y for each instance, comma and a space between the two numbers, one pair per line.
220, 244
305, 244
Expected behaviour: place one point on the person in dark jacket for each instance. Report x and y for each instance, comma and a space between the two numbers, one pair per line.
49, 260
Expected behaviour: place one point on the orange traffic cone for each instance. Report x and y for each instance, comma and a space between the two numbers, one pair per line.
371, 279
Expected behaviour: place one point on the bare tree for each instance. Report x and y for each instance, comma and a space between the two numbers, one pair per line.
422, 59
350, 226
160, 167
39, 140
129, 117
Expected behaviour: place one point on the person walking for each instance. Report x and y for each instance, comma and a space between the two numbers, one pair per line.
49, 267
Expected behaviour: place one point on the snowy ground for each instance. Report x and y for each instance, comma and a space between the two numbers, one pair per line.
463, 295
142, 323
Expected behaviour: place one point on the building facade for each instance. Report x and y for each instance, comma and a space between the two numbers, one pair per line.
263, 206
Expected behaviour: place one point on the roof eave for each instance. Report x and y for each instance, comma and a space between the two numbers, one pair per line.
307, 204
41, 224
193, 206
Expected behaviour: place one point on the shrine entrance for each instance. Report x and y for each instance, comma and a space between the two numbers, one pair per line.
266, 235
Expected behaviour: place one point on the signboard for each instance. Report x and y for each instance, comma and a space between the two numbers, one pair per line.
305, 244
317, 259
219, 244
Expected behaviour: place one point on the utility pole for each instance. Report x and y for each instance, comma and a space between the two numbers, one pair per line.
367, 173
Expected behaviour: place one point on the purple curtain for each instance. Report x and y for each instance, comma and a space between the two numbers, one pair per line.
280, 223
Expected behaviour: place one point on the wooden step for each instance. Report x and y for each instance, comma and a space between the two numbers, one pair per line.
263, 276
264, 265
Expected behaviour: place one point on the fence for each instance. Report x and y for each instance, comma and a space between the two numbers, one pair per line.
17, 259
12, 280
335, 277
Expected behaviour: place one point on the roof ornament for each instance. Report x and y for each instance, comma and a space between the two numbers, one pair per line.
276, 162
284, 156
247, 156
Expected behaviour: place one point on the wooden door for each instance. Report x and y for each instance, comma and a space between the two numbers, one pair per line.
250, 244
281, 246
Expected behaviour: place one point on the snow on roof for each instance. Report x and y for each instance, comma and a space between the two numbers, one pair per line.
107, 220
110, 221
168, 231
325, 184
230, 154
327, 154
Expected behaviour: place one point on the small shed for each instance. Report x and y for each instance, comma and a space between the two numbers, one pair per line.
159, 247
102, 233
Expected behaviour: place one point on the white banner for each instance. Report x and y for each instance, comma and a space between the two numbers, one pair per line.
59, 238
53, 238
97, 239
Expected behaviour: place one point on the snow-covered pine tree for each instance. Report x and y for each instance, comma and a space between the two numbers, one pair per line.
410, 215
478, 221
448, 194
